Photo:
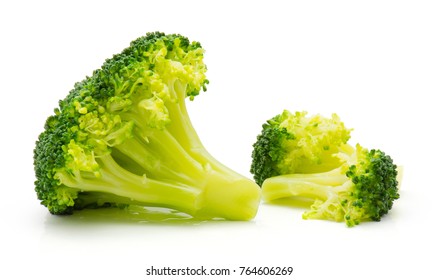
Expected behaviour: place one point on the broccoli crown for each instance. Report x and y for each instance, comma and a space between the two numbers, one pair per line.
123, 135
297, 143
363, 188
373, 186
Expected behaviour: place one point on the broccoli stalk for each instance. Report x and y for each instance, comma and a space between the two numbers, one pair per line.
362, 188
123, 137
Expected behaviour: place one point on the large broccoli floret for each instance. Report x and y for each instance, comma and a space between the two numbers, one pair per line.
297, 143
123, 136
363, 188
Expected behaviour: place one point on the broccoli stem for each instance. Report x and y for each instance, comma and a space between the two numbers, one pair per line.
117, 180
326, 189
181, 124
157, 156
313, 185
216, 196
177, 140
187, 137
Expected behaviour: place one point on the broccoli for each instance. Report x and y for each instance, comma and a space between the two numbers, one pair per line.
363, 188
309, 157
297, 143
123, 136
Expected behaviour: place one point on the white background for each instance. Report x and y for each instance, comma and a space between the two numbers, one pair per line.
374, 63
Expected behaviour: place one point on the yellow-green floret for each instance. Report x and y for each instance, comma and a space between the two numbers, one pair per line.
298, 143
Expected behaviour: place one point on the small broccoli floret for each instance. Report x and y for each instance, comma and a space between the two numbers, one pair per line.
300, 156
363, 188
123, 137
297, 143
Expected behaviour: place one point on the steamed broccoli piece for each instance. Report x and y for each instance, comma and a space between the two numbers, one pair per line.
363, 188
309, 156
123, 137
297, 143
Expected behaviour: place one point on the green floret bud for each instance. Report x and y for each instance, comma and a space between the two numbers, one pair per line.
297, 143
363, 188
123, 136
